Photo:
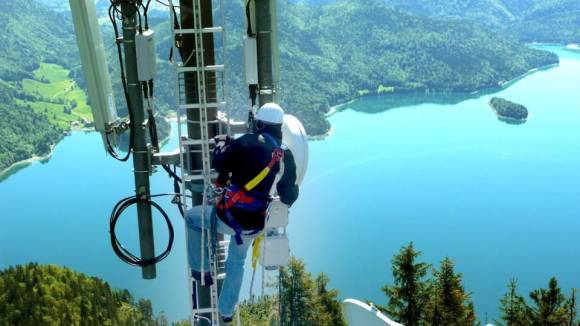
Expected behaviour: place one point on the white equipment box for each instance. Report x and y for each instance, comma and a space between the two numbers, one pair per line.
277, 214
146, 56
275, 251
251, 60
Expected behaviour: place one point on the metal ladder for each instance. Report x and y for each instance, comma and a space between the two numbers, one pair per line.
201, 147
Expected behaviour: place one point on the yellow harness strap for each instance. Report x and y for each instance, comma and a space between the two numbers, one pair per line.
256, 250
256, 181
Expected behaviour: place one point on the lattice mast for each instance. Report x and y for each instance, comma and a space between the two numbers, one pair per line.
201, 94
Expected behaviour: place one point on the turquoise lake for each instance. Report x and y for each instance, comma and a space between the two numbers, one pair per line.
440, 170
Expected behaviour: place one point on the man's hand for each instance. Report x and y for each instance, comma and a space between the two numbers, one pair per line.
221, 142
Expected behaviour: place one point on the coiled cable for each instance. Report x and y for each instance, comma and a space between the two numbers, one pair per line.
124, 254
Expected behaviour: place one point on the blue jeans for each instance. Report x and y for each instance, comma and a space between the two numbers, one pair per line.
230, 291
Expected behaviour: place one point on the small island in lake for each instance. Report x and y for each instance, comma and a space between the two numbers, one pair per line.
508, 111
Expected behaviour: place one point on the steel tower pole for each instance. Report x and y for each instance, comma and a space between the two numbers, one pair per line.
141, 152
267, 43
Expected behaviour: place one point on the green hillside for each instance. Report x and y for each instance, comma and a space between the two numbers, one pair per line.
49, 295
527, 20
39, 98
31, 34
323, 63
552, 22
333, 53
23, 132
57, 96
487, 12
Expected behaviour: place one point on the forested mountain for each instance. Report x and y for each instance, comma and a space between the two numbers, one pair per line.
49, 295
26, 43
23, 133
551, 22
31, 34
488, 12
329, 54
418, 294
528, 20
335, 52
382, 47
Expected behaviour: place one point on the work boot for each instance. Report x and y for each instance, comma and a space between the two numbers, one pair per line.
226, 321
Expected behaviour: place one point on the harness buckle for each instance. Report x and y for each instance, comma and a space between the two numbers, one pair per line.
278, 154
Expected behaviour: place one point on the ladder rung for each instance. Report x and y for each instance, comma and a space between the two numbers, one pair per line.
193, 178
209, 122
193, 172
197, 151
217, 29
202, 311
206, 68
189, 141
197, 177
197, 172
197, 106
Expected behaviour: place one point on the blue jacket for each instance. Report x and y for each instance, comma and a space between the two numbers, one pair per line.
243, 159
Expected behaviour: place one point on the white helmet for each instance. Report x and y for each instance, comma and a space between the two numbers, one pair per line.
271, 113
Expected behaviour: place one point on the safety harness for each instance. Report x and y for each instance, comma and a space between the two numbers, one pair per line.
242, 198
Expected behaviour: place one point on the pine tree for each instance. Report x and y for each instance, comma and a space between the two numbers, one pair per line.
449, 304
307, 301
297, 295
409, 293
572, 312
470, 317
550, 306
260, 311
146, 309
328, 300
513, 307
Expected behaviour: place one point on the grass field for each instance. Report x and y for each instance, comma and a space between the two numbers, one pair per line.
57, 96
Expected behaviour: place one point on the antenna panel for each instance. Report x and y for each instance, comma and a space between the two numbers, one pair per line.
95, 68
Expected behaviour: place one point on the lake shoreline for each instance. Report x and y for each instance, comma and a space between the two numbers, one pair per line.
14, 167
502, 85
330, 112
335, 109
5, 173
508, 83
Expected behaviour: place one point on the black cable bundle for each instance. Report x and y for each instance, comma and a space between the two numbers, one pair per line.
113, 11
249, 19
124, 254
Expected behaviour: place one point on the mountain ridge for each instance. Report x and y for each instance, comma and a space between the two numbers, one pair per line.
323, 63
526, 20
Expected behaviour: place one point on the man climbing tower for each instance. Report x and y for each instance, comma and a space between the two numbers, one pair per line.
251, 168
